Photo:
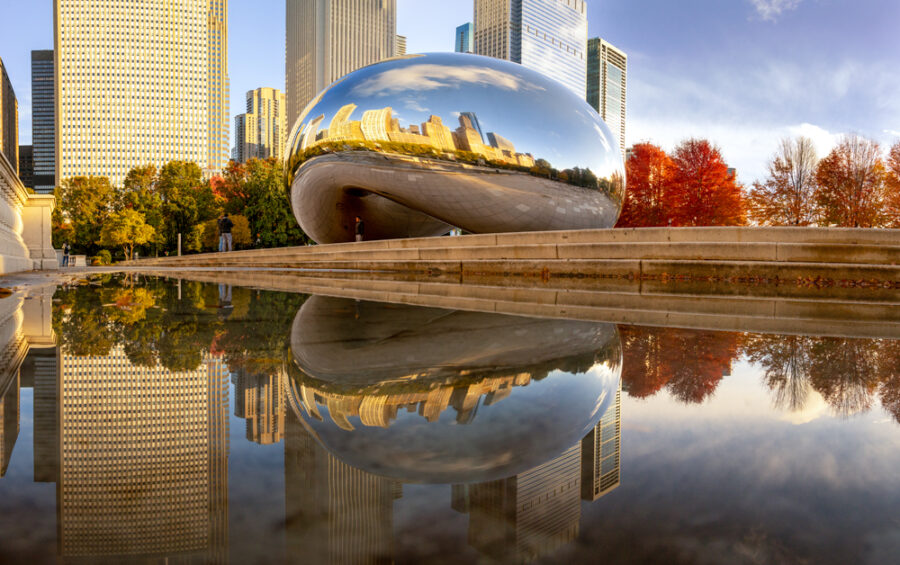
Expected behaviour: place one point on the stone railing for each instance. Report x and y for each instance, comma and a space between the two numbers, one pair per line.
25, 234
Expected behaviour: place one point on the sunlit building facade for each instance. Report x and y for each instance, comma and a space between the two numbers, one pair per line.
607, 74
260, 400
601, 453
465, 38
261, 132
399, 45
140, 83
43, 120
143, 464
326, 39
549, 36
9, 120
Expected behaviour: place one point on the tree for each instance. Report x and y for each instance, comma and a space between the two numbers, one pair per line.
139, 192
892, 197
786, 197
126, 228
256, 190
704, 191
851, 188
648, 200
186, 199
84, 203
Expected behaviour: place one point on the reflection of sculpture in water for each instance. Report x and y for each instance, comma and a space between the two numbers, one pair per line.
336, 512
447, 396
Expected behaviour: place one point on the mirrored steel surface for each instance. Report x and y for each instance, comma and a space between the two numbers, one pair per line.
416, 145
496, 394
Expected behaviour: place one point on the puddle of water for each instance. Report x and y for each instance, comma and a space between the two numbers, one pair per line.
145, 419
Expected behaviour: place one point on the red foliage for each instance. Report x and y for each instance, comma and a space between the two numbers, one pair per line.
704, 193
647, 200
689, 363
851, 179
892, 196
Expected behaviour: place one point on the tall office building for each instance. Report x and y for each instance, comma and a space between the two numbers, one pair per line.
326, 39
528, 516
600, 453
262, 131
259, 399
11, 356
607, 71
9, 120
139, 83
334, 513
399, 45
43, 120
143, 464
549, 36
26, 165
465, 38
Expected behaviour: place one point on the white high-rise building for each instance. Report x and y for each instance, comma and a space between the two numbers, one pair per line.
549, 36
261, 132
327, 39
606, 84
140, 82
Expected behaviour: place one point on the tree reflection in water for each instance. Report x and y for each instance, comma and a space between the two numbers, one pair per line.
158, 322
849, 373
689, 363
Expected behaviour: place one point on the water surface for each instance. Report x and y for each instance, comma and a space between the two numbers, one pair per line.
149, 420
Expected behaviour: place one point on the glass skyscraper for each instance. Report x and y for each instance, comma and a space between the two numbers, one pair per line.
43, 120
606, 80
465, 38
549, 36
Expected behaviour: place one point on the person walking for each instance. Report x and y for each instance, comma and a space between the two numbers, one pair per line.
65, 250
360, 229
225, 225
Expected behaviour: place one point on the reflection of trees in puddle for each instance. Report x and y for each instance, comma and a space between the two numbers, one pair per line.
849, 373
160, 322
688, 363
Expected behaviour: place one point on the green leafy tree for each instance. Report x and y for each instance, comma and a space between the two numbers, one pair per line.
186, 199
256, 190
126, 228
139, 192
84, 204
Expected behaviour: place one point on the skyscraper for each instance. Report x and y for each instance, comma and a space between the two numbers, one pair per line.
43, 120
26, 165
549, 36
600, 453
143, 466
139, 83
399, 45
465, 38
259, 399
326, 39
261, 132
607, 71
9, 120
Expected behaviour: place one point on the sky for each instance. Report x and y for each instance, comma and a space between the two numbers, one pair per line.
742, 73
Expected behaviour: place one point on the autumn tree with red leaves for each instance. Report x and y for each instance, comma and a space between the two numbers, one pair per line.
892, 181
852, 191
648, 198
704, 192
786, 197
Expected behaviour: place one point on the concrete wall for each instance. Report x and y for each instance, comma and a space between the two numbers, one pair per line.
25, 233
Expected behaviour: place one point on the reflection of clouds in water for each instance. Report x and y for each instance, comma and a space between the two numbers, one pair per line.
432, 77
814, 408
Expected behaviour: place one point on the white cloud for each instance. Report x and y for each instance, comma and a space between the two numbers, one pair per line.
823, 140
893, 132
770, 10
422, 77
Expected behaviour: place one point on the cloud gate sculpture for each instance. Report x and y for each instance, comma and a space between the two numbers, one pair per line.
417, 145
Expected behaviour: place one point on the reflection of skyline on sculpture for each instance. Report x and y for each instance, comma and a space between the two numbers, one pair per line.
414, 145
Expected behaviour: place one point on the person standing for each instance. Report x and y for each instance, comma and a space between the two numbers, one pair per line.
65, 250
225, 225
360, 229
